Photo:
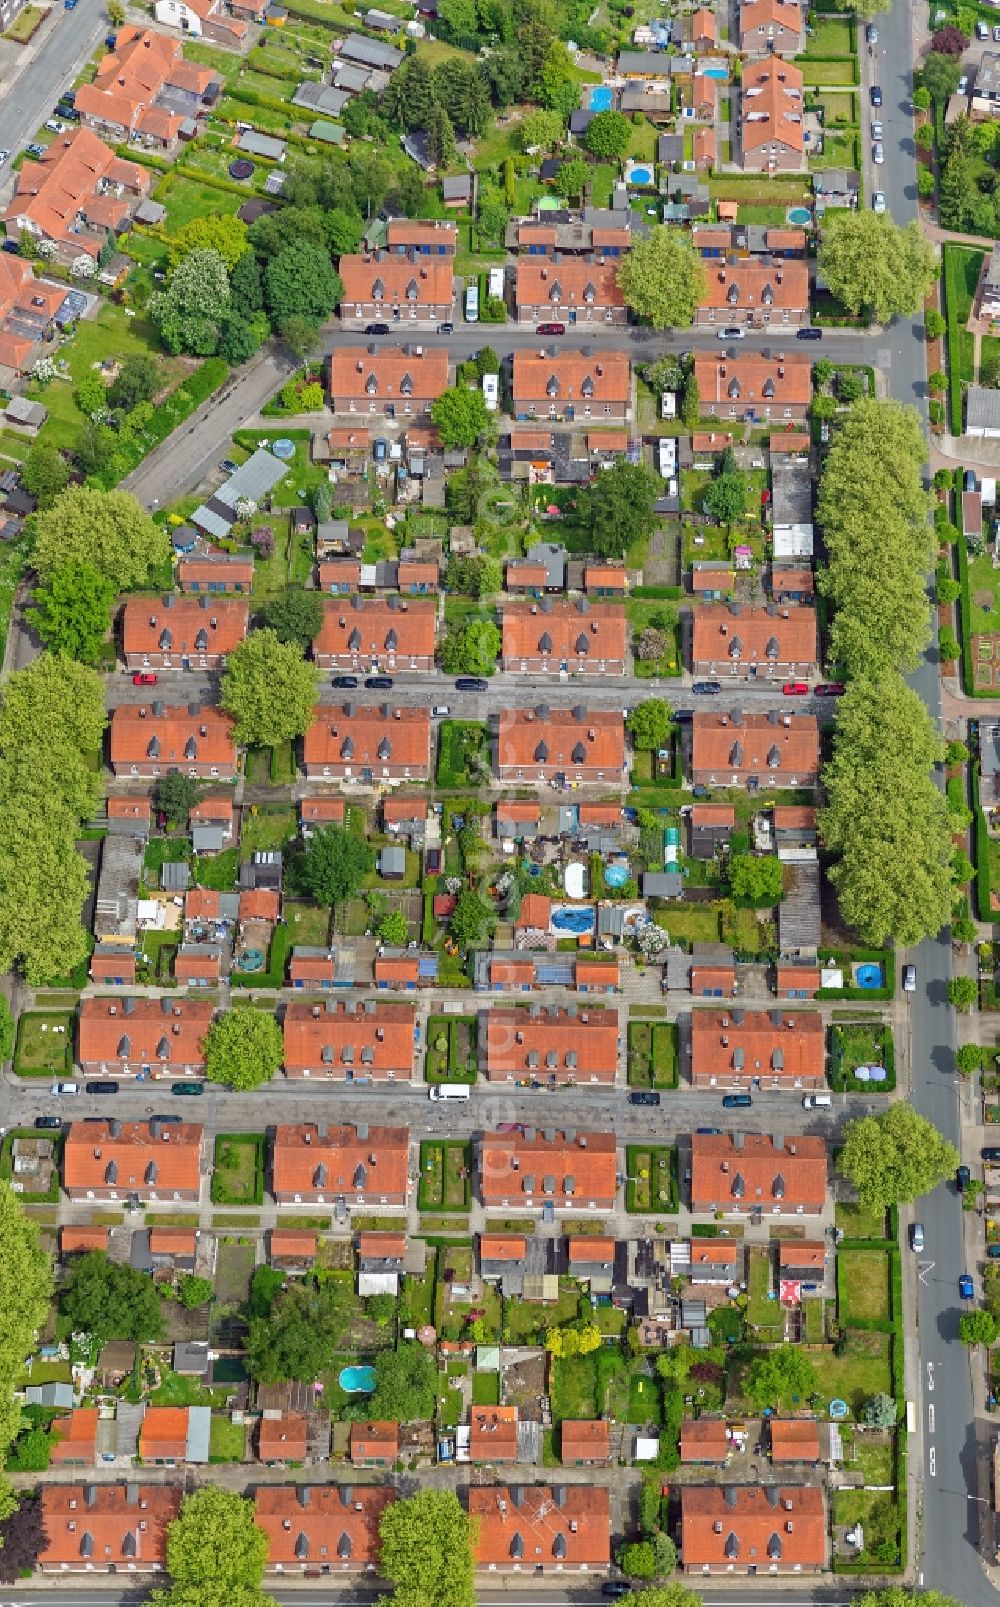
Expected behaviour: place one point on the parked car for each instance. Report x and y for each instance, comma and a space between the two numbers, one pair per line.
447, 328
878, 153
65, 1088
830, 689
47, 1124
875, 95
871, 34
228, 466
347, 683
640, 1097
3, 157
441, 711
996, 34
909, 979
170, 1116
966, 1287
378, 683
917, 1237
877, 132
376, 329
34, 150
878, 202
101, 1088
192, 1088
613, 1588
56, 125
796, 689
816, 1101
732, 333
706, 688
809, 333
471, 683
963, 1177
550, 329
736, 1101
969, 480
993, 1252
991, 1153
143, 678
708, 1132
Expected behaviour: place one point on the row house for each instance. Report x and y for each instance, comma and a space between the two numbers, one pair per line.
594, 234
585, 1442
225, 22
575, 290
749, 642
756, 295
757, 385
564, 745
144, 90
542, 1529
173, 1435
758, 1049
803, 1260
152, 739
720, 239
123, 1037
314, 968
718, 1262
75, 1441
374, 1444
554, 1046
592, 1262
504, 971
316, 1164
283, 1439
767, 26
396, 288
710, 827
371, 634
218, 574
797, 979
580, 637
104, 1528
794, 1439
112, 966
315, 814
77, 195
368, 743
28, 307
365, 1042
292, 1250
404, 236
493, 1434
417, 577
772, 128
517, 820
605, 579
389, 382
182, 633
755, 750
753, 1529
402, 970
566, 1171
739, 1174
319, 1529
113, 1160
704, 1442
571, 385
214, 812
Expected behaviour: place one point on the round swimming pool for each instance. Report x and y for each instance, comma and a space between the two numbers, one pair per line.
615, 875
565, 918
799, 215
869, 976
357, 1380
640, 175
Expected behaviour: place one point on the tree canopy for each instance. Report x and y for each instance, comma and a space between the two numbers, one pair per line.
176, 796
22, 1537
300, 282
427, 1545
894, 1157
756, 880
295, 615
404, 1385
978, 1328
781, 1377
191, 312
27, 1282
649, 724
675, 1595
111, 1300
73, 612
220, 232
45, 473
55, 705
471, 919
106, 530
243, 1048
470, 649
876, 266
662, 278
334, 865
608, 134
885, 821
269, 689
619, 508
300, 1336
214, 1544
460, 415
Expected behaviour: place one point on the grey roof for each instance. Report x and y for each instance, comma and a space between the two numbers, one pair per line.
60, 1395
791, 491
253, 480
456, 187
199, 1433
989, 749
649, 63
988, 74
261, 145
670, 148
554, 558
321, 98
799, 912
207, 839
353, 79
982, 408
371, 52
150, 212
116, 908
662, 884
836, 181
191, 1357
20, 411
392, 861
580, 121
175, 877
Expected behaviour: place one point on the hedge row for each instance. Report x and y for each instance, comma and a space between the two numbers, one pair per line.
171, 413
657, 594
984, 885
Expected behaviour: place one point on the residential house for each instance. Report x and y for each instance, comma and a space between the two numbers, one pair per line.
493, 1434
173, 1249
321, 1528
542, 1529
408, 290
794, 1439
534, 915
581, 637
717, 1262
704, 1442
368, 743
605, 580
374, 1445
417, 577
571, 385
772, 295
152, 739
80, 1241
78, 195
802, 1260
406, 235
106, 1528
521, 821
772, 103
318, 1164
113, 966
145, 91
572, 290
312, 968
171, 1435
703, 30
317, 813
28, 307
710, 827
292, 1249
797, 979
766, 387
381, 1258
377, 634
596, 231
556, 1047
213, 812
182, 633
122, 1037
771, 25
366, 1041
216, 573
592, 1260
129, 817
75, 1438
746, 642
253, 481
393, 382
989, 279
741, 1173
283, 1438
500, 1254
528, 1171
753, 1529
215, 20
982, 414
711, 579
755, 750
972, 514
546, 744
585, 1443
401, 971
113, 1160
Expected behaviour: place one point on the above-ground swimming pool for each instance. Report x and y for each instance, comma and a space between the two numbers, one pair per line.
565, 918
799, 215
717, 72
601, 98
869, 975
636, 173
251, 960
357, 1380
615, 875
575, 879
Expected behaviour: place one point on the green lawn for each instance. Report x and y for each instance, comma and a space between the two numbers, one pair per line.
651, 1178
238, 1174
44, 1043
814, 1320
652, 1054
525, 1322
451, 1049
486, 1389
863, 1280
442, 1184
861, 1043
858, 1222
862, 1371
984, 595
574, 1388
643, 1400
416, 1304
264, 827
961, 275
822, 73
763, 1314
308, 925
461, 744
828, 36
227, 1440
689, 923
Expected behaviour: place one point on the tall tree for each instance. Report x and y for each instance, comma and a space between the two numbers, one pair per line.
215, 1542
427, 1543
295, 615
219, 232
176, 796
460, 416
26, 1275
45, 473
334, 866
299, 1338
470, 649
191, 312
111, 1300
269, 690
619, 508
608, 135
138, 380
54, 705
301, 282
107, 530
873, 265
940, 75
243, 1048
780, 1377
73, 612
894, 1157
663, 278
649, 724
404, 1385
22, 1538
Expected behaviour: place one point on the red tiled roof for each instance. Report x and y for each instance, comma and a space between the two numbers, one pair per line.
347, 440
408, 232
321, 1521
787, 577
714, 815
387, 1029
510, 971
794, 1439
788, 441
531, 630
717, 632
705, 145
589, 1160
805, 978
574, 282
786, 283
397, 967
793, 1051
284, 1438
381, 1245
703, 1439
773, 105
442, 909
603, 377
172, 1241
366, 625
135, 809
202, 904
561, 739
584, 1440
784, 382
304, 967
525, 439
405, 807
601, 577
107, 1031
493, 1433
287, 1244
719, 1164
705, 577
519, 814
703, 95
535, 911
184, 625
608, 441
786, 1523
76, 1436
713, 1253
575, 1530
337, 737
703, 24
206, 571
519, 1041
794, 817
259, 904
593, 972
91, 1149
395, 280
374, 1440
75, 1241
164, 1433
196, 964
762, 13
502, 1247
747, 748
598, 814
122, 1531
110, 964
298, 1151
180, 737
802, 1253
323, 811
413, 572
711, 440
586, 1249
216, 811
362, 375
66, 180
786, 240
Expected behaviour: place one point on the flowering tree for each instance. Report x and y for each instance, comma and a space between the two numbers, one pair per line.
246, 507
83, 267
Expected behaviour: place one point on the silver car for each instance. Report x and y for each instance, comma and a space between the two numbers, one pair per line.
917, 1237
878, 153
878, 201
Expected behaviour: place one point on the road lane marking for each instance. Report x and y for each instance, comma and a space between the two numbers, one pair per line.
922, 1270
930, 1375
930, 1420
932, 1462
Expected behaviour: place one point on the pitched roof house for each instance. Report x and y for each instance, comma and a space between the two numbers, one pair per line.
144, 90
738, 1173
95, 1528
182, 633
717, 1261
318, 1164
802, 1260
374, 1445
771, 25
493, 1434
75, 1444
153, 739
585, 1442
27, 308
76, 195
377, 634
109, 1160
369, 1041
753, 1529
122, 1037
741, 642
571, 385
542, 1528
546, 744
763, 1049
766, 750
794, 1439
555, 1046
757, 294
394, 380
772, 131
582, 637
216, 574
368, 742
318, 1528
404, 289
530, 1170
427, 239
283, 1438
704, 1441
587, 291
772, 386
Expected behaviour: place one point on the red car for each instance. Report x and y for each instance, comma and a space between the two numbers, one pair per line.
143, 678
551, 329
796, 689
831, 689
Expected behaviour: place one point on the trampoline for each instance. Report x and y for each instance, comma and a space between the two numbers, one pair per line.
241, 168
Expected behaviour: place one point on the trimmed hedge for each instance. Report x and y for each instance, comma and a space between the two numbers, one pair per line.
984, 885
656, 594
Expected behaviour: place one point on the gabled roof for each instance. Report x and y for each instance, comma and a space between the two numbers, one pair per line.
703, 1439
369, 1036
172, 736
802, 1253
288, 1244
230, 571
164, 1433
504, 1247
713, 1252
542, 1525
749, 1523
135, 810
787, 1045
102, 1522
344, 1160
173, 1241
128, 1155
565, 630
381, 1246
493, 1433
138, 1029
389, 373
76, 1436
773, 103
740, 1170
737, 286
321, 1523
323, 811
584, 1440
763, 13
569, 376
794, 1439
374, 1439
588, 1249
184, 625
284, 1438
77, 1241
573, 282
561, 738
535, 912
363, 625
67, 179
583, 1167
550, 1041
356, 735
756, 746
385, 277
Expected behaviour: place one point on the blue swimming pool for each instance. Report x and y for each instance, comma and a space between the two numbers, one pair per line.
869, 976
640, 175
601, 98
567, 918
716, 72
615, 875
798, 215
357, 1380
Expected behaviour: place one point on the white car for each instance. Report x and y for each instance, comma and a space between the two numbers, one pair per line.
732, 333
878, 201
963, 85
3, 157
65, 1088
56, 126
878, 153
876, 130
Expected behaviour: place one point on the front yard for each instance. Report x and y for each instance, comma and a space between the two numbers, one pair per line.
451, 1049
44, 1043
652, 1054
445, 1176
862, 1044
651, 1178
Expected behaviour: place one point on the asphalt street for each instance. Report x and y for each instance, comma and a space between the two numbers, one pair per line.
59, 51
351, 1594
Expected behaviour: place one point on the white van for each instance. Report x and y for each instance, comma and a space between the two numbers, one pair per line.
449, 1090
65, 1088
816, 1102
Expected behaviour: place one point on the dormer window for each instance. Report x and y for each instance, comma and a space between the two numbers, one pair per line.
774, 757
552, 386
587, 388
371, 385
413, 291
767, 296
734, 390
378, 290
406, 385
